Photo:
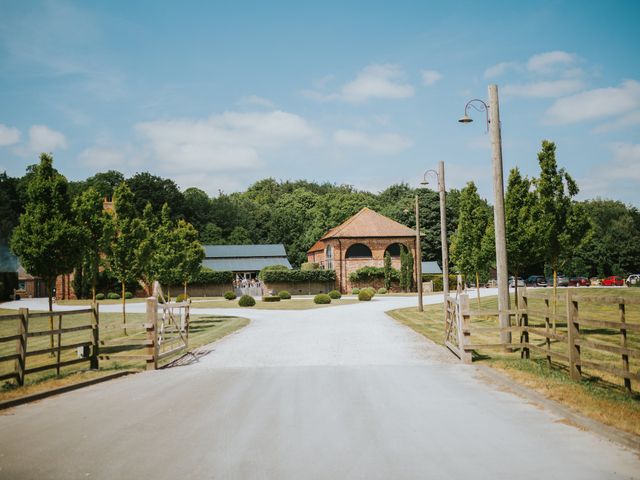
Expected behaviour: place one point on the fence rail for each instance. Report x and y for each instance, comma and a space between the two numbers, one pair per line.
579, 347
165, 333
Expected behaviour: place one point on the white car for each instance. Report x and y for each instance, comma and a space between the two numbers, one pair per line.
633, 280
512, 282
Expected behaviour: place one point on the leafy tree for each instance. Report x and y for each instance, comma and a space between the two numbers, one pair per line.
46, 239
467, 247
388, 270
524, 247
406, 269
561, 225
157, 191
190, 250
197, 208
92, 219
211, 234
239, 236
105, 182
127, 233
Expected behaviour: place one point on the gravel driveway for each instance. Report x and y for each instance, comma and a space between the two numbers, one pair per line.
335, 393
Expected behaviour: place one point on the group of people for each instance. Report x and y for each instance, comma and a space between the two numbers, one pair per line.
243, 282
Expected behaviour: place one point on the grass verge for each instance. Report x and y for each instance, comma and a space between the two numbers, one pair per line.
597, 396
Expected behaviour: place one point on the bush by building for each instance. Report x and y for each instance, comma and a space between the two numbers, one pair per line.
271, 298
335, 294
382, 291
230, 295
322, 299
284, 295
246, 301
365, 295
113, 296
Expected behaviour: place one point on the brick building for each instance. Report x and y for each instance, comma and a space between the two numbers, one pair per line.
361, 241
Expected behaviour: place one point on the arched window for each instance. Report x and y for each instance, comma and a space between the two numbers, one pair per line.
358, 250
394, 249
329, 258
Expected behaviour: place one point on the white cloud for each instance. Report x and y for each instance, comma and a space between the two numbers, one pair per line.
381, 144
548, 89
225, 142
616, 177
44, 139
625, 163
374, 81
547, 62
8, 135
429, 77
625, 121
499, 69
256, 100
102, 158
597, 103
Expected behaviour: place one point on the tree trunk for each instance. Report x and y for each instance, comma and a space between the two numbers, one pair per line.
185, 290
555, 296
124, 311
47, 283
478, 287
515, 282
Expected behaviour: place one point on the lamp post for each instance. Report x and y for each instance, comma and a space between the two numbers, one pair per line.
443, 229
418, 257
493, 125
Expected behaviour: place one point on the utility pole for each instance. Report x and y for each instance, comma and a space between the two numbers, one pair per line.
498, 214
443, 235
418, 257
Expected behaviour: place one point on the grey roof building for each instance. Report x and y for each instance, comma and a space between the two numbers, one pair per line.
244, 258
431, 268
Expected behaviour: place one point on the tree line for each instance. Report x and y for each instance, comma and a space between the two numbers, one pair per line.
547, 229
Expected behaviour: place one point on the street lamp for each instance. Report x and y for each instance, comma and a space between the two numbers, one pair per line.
443, 229
493, 124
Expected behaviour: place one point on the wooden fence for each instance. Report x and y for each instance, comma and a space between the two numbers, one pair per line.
164, 333
578, 340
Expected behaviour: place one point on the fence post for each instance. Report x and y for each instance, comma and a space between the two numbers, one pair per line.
573, 332
152, 333
547, 326
623, 344
523, 304
95, 348
59, 351
464, 324
21, 345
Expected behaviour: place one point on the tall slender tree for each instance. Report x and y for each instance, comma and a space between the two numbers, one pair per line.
47, 240
466, 246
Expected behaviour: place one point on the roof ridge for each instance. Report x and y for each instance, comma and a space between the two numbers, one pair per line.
348, 221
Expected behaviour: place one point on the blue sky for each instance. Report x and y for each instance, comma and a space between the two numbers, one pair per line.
220, 94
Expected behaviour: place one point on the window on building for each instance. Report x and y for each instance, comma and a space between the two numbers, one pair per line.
329, 258
358, 250
394, 249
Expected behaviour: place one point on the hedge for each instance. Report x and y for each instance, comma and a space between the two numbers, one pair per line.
367, 274
284, 295
271, 298
365, 295
206, 275
437, 281
335, 294
230, 295
8, 282
246, 301
273, 276
322, 299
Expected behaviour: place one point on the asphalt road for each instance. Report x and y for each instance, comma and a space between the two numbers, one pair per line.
337, 393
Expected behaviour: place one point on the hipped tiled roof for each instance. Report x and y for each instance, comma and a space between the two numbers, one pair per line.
365, 224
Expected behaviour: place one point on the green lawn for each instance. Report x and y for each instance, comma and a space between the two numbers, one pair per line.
204, 329
293, 304
599, 395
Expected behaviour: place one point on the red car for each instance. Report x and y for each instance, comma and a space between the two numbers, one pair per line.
612, 281
579, 282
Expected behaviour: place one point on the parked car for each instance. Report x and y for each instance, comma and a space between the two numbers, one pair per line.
633, 280
579, 282
536, 281
595, 281
561, 279
612, 281
512, 282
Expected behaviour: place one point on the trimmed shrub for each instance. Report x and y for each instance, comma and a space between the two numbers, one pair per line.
271, 268
437, 281
308, 266
382, 291
182, 297
230, 295
128, 295
355, 291
276, 276
246, 301
334, 294
365, 295
322, 299
371, 290
284, 295
271, 298
100, 296
113, 296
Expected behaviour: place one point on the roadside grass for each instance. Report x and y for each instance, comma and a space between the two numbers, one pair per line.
204, 329
598, 395
87, 302
297, 304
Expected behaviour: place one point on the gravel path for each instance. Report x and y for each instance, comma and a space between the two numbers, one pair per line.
340, 392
